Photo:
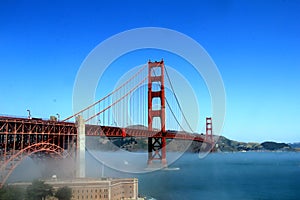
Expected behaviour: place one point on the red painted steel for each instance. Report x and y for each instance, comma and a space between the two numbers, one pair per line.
209, 138
21, 137
208, 135
156, 144
110, 132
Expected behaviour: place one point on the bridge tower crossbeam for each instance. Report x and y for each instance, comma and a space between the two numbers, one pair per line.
156, 143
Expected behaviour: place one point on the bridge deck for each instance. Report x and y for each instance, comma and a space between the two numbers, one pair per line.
17, 126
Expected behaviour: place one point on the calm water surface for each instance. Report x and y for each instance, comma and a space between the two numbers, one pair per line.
228, 176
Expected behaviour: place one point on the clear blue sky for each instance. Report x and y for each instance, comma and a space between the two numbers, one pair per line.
255, 44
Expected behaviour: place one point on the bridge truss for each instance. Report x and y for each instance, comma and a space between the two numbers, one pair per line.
22, 137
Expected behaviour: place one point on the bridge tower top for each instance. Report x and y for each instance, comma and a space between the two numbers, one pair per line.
156, 75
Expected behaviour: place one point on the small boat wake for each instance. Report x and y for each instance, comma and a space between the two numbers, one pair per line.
171, 169
148, 198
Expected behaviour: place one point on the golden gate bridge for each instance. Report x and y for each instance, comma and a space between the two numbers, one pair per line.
23, 137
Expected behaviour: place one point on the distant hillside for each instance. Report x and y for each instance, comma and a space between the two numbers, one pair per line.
227, 145
223, 145
295, 145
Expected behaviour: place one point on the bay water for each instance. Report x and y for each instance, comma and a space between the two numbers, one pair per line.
247, 176
225, 176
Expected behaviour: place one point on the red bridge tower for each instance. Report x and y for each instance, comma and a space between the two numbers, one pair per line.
156, 143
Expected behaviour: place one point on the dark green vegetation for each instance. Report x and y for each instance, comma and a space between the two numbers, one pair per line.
273, 146
38, 190
64, 193
12, 193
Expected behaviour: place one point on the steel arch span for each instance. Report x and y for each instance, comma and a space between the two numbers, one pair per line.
13, 161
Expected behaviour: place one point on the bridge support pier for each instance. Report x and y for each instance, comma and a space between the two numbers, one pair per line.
80, 150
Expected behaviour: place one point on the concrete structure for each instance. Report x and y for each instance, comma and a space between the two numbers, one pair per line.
80, 150
97, 189
100, 189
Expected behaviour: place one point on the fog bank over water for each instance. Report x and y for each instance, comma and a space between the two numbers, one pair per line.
251, 175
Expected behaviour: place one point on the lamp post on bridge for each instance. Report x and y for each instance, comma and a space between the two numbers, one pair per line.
29, 114
58, 116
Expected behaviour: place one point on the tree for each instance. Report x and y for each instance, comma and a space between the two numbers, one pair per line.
11, 193
38, 190
64, 193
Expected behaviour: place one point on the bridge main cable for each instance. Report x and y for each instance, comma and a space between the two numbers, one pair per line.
130, 91
111, 93
177, 101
